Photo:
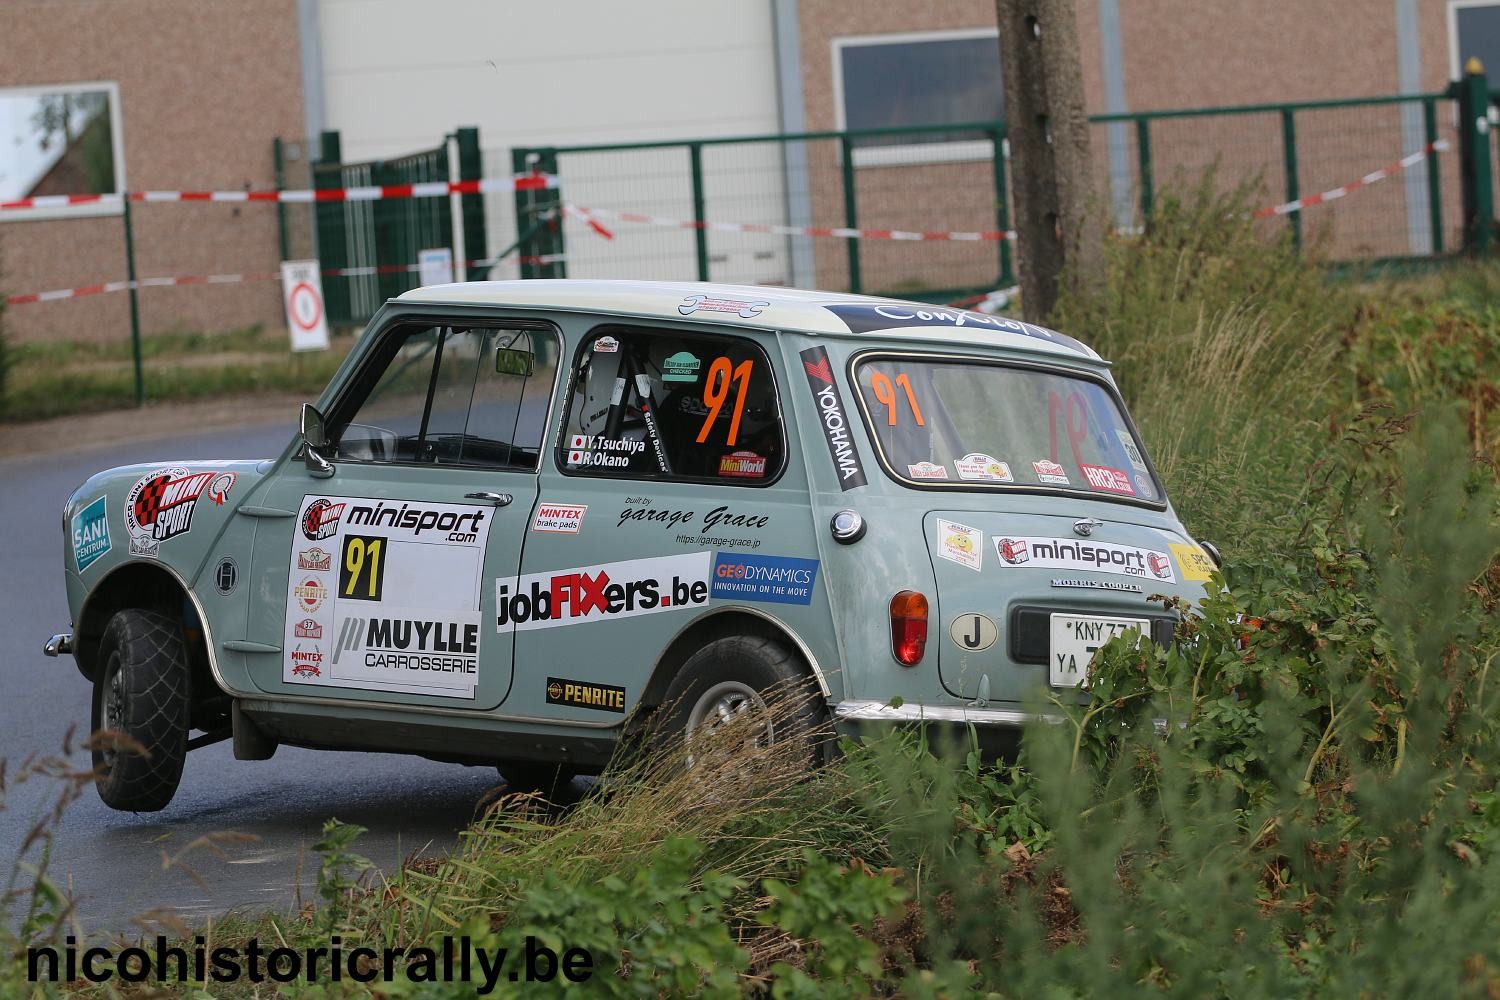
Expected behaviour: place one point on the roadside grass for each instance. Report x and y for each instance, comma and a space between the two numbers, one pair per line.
60, 378
1318, 814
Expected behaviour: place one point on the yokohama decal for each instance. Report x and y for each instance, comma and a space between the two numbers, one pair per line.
833, 418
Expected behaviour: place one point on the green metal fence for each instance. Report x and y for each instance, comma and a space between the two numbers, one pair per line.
379, 240
953, 178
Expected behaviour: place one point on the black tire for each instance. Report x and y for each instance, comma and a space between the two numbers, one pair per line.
737, 673
534, 776
141, 693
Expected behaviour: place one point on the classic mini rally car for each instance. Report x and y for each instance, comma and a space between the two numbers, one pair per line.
524, 515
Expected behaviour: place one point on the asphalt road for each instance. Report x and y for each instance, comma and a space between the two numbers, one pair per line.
113, 861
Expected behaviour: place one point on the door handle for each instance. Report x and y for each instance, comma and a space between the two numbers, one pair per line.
498, 499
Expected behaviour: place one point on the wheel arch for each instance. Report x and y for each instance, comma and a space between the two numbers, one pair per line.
150, 587
716, 625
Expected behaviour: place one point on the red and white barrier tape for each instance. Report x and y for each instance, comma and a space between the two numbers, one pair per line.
376, 192
107, 287
1410, 160
588, 216
591, 216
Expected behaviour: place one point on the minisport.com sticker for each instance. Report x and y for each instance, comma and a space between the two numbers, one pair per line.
1101, 557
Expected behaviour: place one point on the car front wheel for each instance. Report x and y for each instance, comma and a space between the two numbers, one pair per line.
140, 694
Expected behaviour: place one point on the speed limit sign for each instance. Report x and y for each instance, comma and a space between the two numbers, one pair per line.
302, 293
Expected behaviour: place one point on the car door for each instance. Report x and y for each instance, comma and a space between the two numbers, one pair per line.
370, 582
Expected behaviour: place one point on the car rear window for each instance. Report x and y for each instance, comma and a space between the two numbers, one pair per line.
972, 424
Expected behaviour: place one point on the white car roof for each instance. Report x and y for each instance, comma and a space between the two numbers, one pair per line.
767, 307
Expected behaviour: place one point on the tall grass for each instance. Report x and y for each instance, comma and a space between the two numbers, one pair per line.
1225, 343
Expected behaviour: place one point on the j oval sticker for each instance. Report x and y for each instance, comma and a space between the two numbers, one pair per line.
973, 632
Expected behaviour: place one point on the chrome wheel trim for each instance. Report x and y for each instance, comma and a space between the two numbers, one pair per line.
724, 703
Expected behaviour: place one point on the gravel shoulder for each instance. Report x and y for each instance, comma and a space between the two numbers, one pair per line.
85, 432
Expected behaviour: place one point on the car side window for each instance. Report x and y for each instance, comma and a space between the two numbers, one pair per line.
659, 404
454, 395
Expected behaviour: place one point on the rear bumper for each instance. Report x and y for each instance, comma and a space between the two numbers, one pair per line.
59, 645
879, 711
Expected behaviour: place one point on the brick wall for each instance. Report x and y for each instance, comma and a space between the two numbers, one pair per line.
1176, 55
204, 88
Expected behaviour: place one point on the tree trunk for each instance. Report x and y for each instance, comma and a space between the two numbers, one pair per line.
1051, 168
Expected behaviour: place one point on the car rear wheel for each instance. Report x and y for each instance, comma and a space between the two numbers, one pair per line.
141, 694
751, 681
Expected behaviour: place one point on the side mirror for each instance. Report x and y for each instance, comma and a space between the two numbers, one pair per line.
315, 436
509, 361
314, 429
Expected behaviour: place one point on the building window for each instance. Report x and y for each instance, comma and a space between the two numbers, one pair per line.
1474, 30
60, 140
913, 80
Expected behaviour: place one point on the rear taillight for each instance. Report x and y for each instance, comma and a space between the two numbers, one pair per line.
908, 627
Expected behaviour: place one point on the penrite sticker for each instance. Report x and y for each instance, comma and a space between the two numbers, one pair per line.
161, 505
90, 530
773, 579
562, 518
1102, 557
960, 543
605, 591
582, 694
833, 418
310, 594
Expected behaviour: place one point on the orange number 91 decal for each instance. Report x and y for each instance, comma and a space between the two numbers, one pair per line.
716, 392
885, 391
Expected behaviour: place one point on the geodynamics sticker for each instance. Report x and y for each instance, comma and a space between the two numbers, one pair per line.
1102, 557
772, 579
601, 592
384, 595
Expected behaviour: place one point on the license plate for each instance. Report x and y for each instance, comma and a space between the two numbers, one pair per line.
1075, 639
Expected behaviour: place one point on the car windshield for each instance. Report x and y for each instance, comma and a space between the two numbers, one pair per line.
980, 425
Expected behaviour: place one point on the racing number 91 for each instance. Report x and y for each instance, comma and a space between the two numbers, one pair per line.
362, 570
